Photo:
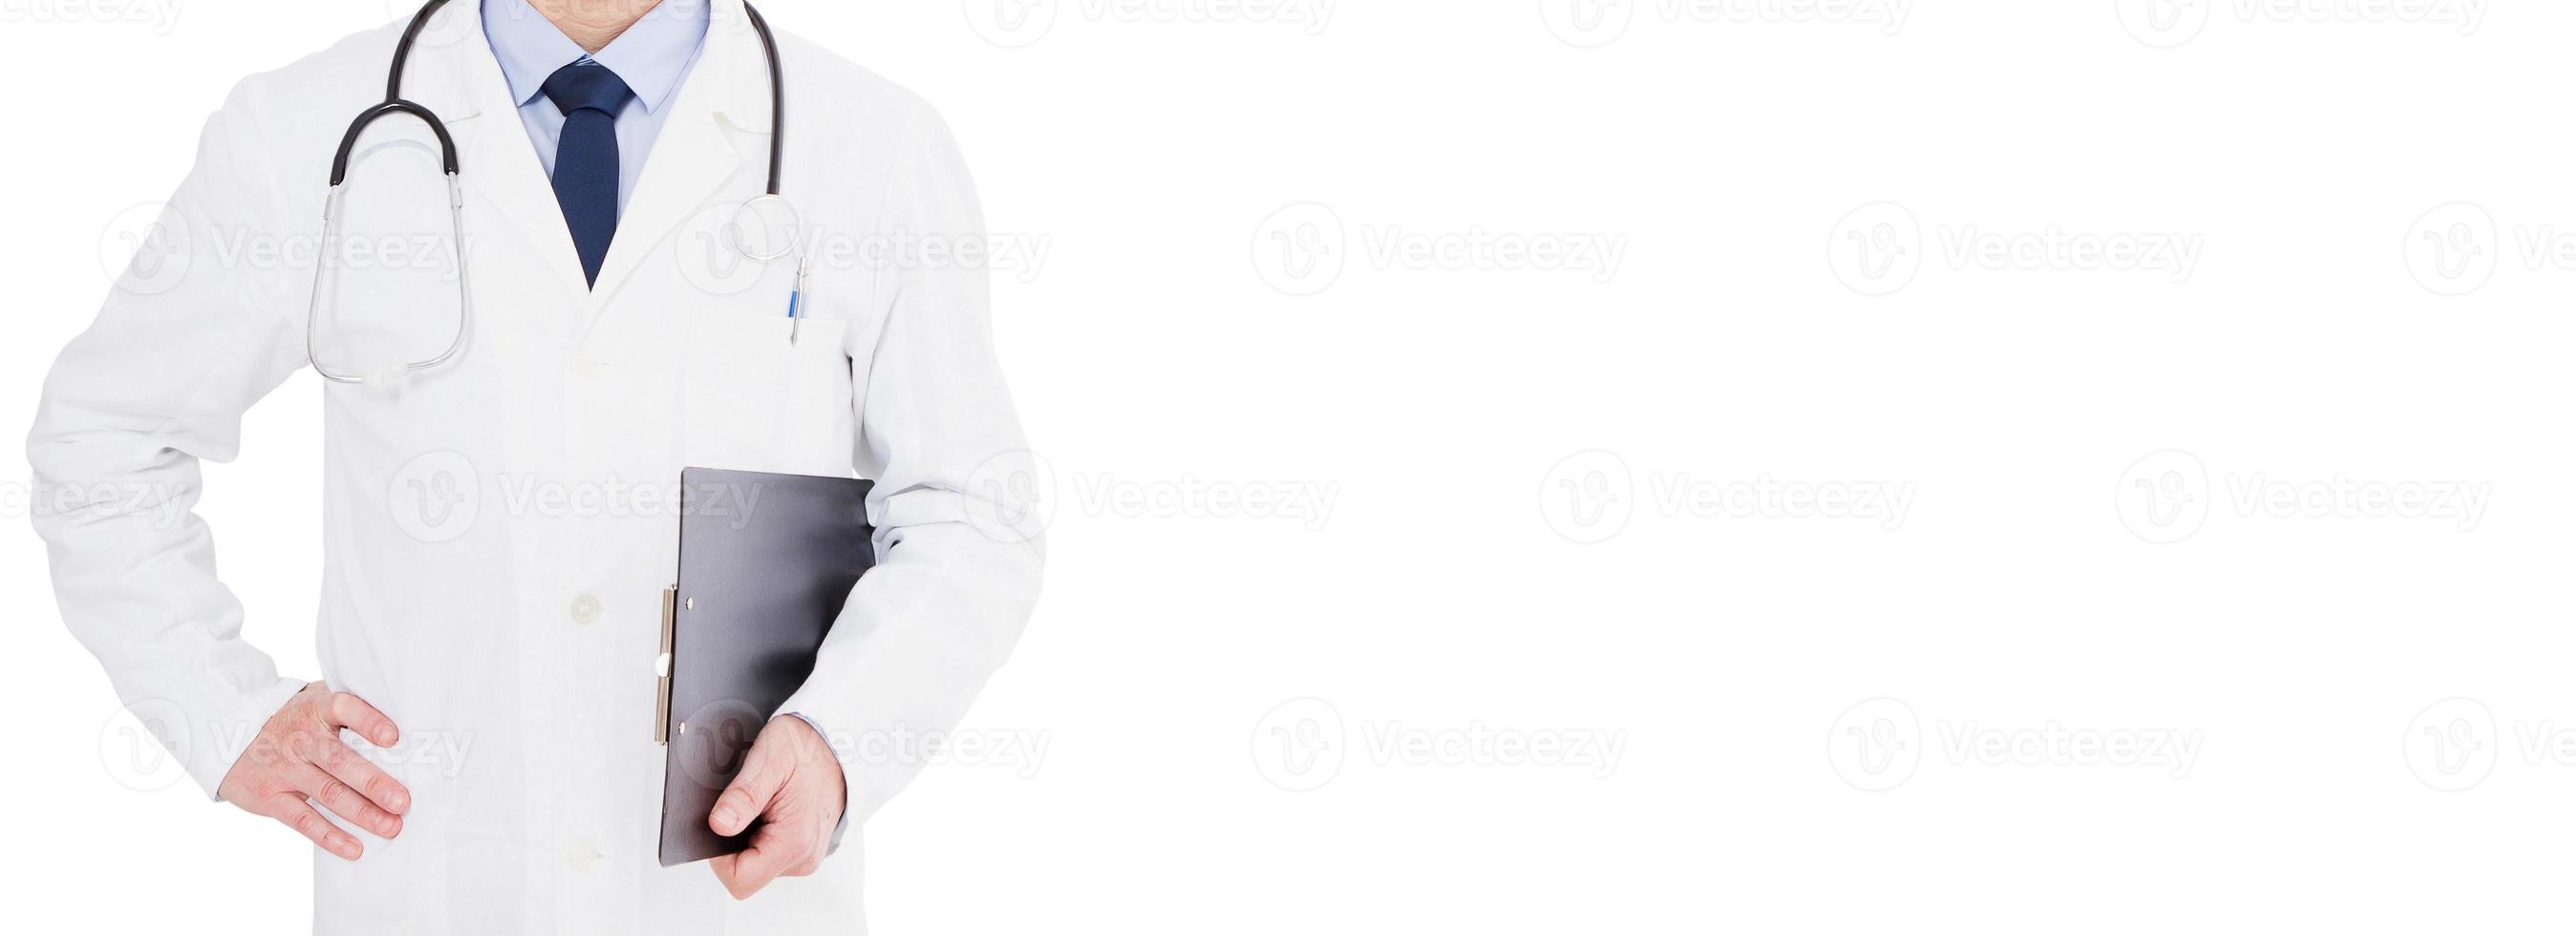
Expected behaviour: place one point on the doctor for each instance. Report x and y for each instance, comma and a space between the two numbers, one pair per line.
476, 756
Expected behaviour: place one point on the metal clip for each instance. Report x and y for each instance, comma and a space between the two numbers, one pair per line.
662, 667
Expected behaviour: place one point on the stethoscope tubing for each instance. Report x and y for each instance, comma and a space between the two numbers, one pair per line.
394, 103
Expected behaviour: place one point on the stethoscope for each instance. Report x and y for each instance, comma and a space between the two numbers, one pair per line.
395, 104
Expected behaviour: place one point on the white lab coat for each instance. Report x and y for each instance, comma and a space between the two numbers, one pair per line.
497, 531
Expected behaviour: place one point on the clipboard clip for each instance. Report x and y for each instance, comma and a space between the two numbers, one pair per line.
662, 667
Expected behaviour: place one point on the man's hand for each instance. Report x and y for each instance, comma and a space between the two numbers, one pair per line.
791, 782
299, 756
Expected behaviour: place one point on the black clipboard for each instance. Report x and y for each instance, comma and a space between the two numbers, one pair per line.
766, 561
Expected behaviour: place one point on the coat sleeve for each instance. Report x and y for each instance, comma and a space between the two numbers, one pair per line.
195, 330
958, 553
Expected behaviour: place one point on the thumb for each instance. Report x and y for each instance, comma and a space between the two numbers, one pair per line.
750, 793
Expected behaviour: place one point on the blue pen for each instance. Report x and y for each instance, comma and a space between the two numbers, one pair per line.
795, 302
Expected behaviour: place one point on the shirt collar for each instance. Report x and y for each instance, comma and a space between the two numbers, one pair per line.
650, 56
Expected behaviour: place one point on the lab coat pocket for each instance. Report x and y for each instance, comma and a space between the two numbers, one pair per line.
757, 401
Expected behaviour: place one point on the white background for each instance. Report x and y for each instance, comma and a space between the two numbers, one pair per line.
1796, 694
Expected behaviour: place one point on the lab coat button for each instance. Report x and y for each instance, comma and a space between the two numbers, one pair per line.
585, 370
585, 609
583, 856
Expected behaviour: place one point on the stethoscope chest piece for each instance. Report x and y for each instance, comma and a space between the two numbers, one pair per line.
763, 228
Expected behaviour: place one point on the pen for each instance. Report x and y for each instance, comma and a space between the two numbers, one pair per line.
795, 301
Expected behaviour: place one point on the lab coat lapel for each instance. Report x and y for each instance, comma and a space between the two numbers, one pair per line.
459, 78
720, 113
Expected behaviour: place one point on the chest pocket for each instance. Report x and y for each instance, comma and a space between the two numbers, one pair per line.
754, 402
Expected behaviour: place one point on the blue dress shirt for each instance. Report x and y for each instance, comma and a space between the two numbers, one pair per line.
652, 57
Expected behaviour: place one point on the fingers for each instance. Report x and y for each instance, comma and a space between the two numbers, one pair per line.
750, 793
291, 811
371, 782
728, 873
746, 873
298, 760
786, 843
353, 713
346, 802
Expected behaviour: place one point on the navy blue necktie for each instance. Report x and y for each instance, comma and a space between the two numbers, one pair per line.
589, 95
